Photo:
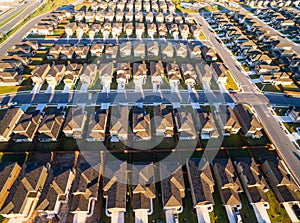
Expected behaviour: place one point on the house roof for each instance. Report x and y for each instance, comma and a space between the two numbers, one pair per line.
114, 184
55, 188
75, 119
172, 185
11, 115
201, 181
27, 125
27, 184
119, 119
247, 120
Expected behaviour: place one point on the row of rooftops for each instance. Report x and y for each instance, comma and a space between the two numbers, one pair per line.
254, 56
80, 185
22, 126
278, 3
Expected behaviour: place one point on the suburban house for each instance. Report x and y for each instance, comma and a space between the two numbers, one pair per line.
88, 73
25, 192
153, 49
89, 17
85, 190
81, 51
172, 188
181, 50
163, 121
277, 78
139, 50
185, 123
27, 126
8, 122
220, 72
202, 187
54, 51
282, 184
141, 126
149, 17
106, 74
11, 73
75, 122
139, 30
55, 74
9, 172
72, 73
174, 75
70, 29
157, 72
139, 75
114, 190
251, 127
294, 114
162, 30
119, 123
205, 72
255, 186
189, 74
230, 122
167, 50
152, 30
97, 49
261, 69
97, 125
94, 29
117, 29
67, 51
209, 54
111, 51
143, 190
207, 126
50, 126
56, 190
196, 52
125, 49
229, 187
128, 29
123, 74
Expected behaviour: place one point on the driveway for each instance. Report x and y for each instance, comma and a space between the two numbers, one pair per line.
117, 217
261, 213
141, 216
203, 214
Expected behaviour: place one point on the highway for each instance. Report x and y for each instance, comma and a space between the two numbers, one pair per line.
285, 148
25, 10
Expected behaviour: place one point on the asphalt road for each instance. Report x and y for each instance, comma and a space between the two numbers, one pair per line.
97, 98
21, 33
285, 148
28, 9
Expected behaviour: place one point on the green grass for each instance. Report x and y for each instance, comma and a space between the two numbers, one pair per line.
230, 83
246, 212
233, 141
291, 126
268, 87
218, 215
276, 212
25, 86
188, 214
280, 111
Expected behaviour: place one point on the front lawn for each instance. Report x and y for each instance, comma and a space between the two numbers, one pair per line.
276, 212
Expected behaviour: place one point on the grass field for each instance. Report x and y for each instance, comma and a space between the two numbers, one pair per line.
231, 84
276, 212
